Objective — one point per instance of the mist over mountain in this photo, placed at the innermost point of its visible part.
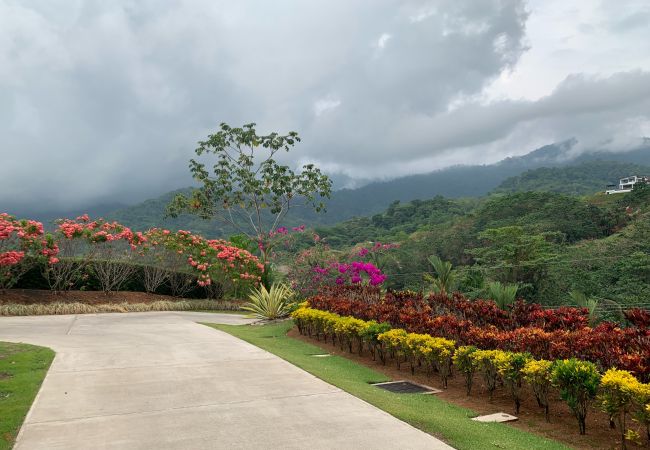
(453, 182)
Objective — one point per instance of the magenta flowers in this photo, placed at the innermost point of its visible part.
(355, 272)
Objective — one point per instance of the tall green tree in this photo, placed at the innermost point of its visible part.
(511, 255)
(245, 187)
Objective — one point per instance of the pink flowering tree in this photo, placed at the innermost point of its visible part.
(114, 252)
(214, 264)
(23, 244)
(245, 188)
(73, 237)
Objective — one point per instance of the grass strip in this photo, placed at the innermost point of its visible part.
(124, 307)
(22, 369)
(426, 412)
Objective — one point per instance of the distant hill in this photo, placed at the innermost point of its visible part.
(453, 182)
(580, 179)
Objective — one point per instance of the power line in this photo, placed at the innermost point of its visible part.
(553, 262)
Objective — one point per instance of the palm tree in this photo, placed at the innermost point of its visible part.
(502, 294)
(445, 275)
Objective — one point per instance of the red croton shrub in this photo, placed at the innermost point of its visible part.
(545, 333)
(638, 317)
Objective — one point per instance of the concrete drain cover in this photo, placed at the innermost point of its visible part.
(406, 387)
(324, 355)
(497, 417)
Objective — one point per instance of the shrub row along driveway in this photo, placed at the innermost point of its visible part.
(160, 380)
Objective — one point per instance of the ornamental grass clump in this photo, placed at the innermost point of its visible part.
(510, 366)
(538, 374)
(578, 383)
(123, 307)
(466, 364)
(271, 304)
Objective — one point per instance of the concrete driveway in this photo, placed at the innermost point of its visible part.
(162, 381)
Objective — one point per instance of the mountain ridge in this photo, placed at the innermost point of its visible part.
(375, 197)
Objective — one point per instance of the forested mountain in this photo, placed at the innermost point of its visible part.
(453, 182)
(547, 243)
(580, 179)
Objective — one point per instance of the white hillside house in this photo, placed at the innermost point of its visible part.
(626, 184)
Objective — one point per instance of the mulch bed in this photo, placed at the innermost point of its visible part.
(36, 296)
(563, 426)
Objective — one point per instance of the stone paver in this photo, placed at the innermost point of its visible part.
(160, 380)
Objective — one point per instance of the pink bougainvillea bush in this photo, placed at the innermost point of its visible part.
(22, 245)
(319, 267)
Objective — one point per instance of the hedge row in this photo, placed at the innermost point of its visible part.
(546, 334)
(617, 392)
(84, 308)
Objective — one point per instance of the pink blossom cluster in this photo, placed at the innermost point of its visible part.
(11, 258)
(357, 269)
(353, 273)
(22, 242)
(25, 237)
(211, 259)
(284, 231)
(98, 231)
(376, 247)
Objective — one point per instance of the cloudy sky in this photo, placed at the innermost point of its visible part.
(104, 101)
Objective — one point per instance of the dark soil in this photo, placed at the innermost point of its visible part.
(563, 426)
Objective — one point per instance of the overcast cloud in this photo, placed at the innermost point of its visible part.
(104, 101)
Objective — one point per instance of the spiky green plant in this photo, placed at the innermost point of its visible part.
(445, 279)
(587, 302)
(502, 294)
(274, 303)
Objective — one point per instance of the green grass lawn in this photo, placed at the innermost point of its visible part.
(431, 414)
(22, 369)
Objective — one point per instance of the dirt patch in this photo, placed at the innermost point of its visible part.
(5, 375)
(563, 426)
(8, 348)
(36, 296)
